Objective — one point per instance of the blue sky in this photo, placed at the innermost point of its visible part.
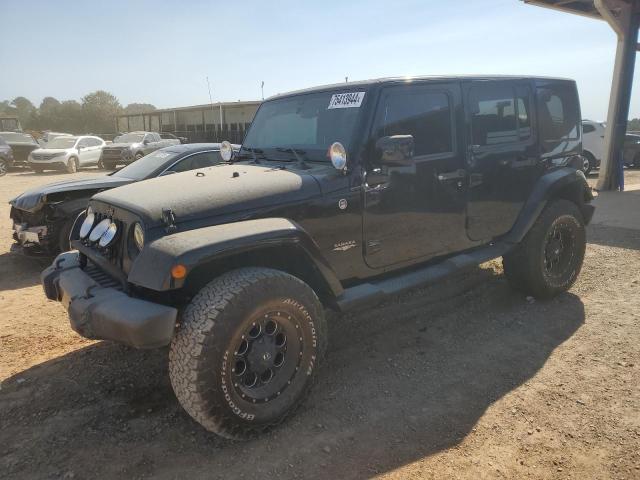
(160, 52)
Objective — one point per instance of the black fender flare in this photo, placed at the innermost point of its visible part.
(152, 267)
(554, 184)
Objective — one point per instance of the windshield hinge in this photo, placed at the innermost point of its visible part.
(169, 220)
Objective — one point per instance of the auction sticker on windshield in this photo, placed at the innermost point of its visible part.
(346, 100)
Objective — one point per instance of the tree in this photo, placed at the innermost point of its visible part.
(99, 109)
(70, 117)
(139, 108)
(25, 110)
(48, 115)
(634, 125)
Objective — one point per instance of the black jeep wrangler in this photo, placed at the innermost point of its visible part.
(339, 197)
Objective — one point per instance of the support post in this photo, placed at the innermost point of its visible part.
(624, 22)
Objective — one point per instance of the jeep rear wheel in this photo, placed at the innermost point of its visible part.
(247, 351)
(549, 259)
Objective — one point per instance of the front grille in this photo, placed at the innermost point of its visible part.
(100, 277)
(42, 156)
(112, 152)
(21, 152)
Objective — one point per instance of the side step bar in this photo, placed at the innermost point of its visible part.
(369, 294)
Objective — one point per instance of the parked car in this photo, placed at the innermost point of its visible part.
(171, 136)
(22, 144)
(6, 157)
(340, 197)
(632, 150)
(67, 153)
(592, 144)
(43, 216)
(130, 147)
(48, 136)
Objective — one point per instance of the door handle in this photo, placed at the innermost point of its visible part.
(455, 175)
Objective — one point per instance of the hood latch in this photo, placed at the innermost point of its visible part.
(169, 220)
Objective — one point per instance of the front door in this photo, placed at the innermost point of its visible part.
(416, 212)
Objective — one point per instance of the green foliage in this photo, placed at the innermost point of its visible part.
(99, 109)
(634, 125)
(139, 108)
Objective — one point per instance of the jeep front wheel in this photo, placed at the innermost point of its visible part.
(247, 351)
(549, 259)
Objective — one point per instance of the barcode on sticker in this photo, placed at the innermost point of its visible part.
(346, 100)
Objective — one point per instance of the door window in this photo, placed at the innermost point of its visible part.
(426, 115)
(558, 113)
(199, 160)
(493, 114)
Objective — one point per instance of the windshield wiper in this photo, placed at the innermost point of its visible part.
(253, 151)
(296, 153)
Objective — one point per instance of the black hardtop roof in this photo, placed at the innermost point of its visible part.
(425, 78)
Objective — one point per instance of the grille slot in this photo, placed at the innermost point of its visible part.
(101, 278)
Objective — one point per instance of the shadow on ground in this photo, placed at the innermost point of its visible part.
(402, 381)
(20, 271)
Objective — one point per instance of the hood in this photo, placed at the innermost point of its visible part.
(33, 200)
(122, 145)
(212, 191)
(49, 151)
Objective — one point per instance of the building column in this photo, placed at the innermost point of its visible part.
(624, 18)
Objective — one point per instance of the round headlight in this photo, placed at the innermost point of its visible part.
(138, 236)
(226, 151)
(338, 156)
(99, 230)
(107, 237)
(86, 226)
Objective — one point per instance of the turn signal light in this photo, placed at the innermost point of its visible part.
(178, 271)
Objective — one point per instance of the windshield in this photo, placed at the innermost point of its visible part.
(141, 169)
(62, 142)
(17, 137)
(129, 138)
(308, 123)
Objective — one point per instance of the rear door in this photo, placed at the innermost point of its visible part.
(502, 155)
(416, 212)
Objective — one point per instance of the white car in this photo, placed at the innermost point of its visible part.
(48, 136)
(67, 152)
(592, 144)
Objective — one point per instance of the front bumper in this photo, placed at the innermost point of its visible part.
(56, 162)
(28, 236)
(106, 313)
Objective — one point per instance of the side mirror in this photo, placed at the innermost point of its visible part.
(396, 150)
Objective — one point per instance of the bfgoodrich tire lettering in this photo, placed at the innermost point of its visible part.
(549, 259)
(209, 353)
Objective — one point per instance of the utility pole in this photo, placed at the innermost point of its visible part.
(346, 79)
(210, 102)
(262, 88)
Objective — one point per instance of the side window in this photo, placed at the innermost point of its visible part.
(84, 143)
(558, 113)
(587, 128)
(426, 115)
(493, 114)
(199, 160)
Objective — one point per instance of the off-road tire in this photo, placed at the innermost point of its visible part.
(526, 266)
(72, 165)
(203, 357)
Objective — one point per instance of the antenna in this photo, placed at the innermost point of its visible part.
(262, 88)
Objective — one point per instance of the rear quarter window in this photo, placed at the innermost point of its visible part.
(558, 113)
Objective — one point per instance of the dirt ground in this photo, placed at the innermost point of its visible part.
(461, 380)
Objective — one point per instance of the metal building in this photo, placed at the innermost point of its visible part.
(199, 123)
(624, 18)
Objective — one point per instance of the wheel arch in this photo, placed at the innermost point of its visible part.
(206, 253)
(565, 183)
